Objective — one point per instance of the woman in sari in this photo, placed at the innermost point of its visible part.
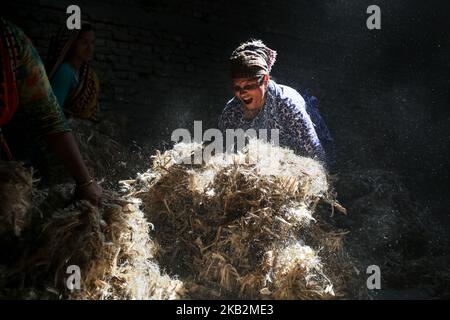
(73, 80)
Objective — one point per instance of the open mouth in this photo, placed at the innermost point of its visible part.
(247, 101)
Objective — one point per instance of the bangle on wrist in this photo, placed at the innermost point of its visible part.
(81, 185)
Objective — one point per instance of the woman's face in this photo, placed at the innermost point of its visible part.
(83, 47)
(251, 91)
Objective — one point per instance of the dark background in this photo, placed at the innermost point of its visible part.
(383, 93)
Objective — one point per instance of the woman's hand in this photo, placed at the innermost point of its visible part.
(91, 192)
(66, 148)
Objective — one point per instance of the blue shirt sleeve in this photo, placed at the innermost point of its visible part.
(63, 82)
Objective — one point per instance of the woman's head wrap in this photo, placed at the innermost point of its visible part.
(60, 45)
(251, 59)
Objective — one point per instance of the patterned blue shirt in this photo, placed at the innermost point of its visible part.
(284, 109)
